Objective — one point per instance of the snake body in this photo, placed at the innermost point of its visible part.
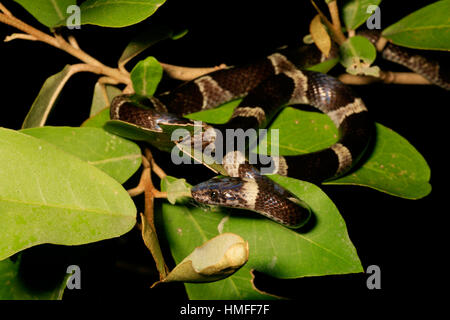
(265, 86)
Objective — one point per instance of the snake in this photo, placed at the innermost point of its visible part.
(265, 86)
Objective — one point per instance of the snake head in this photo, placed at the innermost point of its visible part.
(225, 192)
(259, 195)
(145, 112)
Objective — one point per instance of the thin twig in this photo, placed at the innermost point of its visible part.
(149, 164)
(187, 73)
(13, 22)
(334, 13)
(4, 10)
(60, 43)
(385, 77)
(156, 169)
(122, 69)
(139, 189)
(102, 82)
(128, 89)
(107, 80)
(73, 42)
(149, 198)
(59, 38)
(22, 36)
(381, 43)
(337, 34)
(84, 67)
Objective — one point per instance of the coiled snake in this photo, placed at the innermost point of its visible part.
(265, 87)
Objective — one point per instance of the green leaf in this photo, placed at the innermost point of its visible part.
(146, 76)
(177, 189)
(99, 100)
(299, 132)
(46, 99)
(394, 167)
(325, 66)
(354, 12)
(216, 116)
(97, 121)
(357, 54)
(48, 12)
(118, 157)
(160, 140)
(318, 249)
(117, 14)
(427, 28)
(50, 196)
(12, 286)
(180, 34)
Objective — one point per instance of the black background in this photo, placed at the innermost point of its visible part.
(403, 237)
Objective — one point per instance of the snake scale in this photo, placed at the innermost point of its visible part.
(265, 86)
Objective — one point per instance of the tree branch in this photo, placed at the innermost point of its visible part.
(4, 10)
(187, 73)
(334, 12)
(58, 42)
(385, 77)
(381, 43)
(156, 169)
(149, 164)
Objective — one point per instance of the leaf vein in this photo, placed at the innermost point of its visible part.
(59, 206)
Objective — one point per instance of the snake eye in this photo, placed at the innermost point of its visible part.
(213, 195)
